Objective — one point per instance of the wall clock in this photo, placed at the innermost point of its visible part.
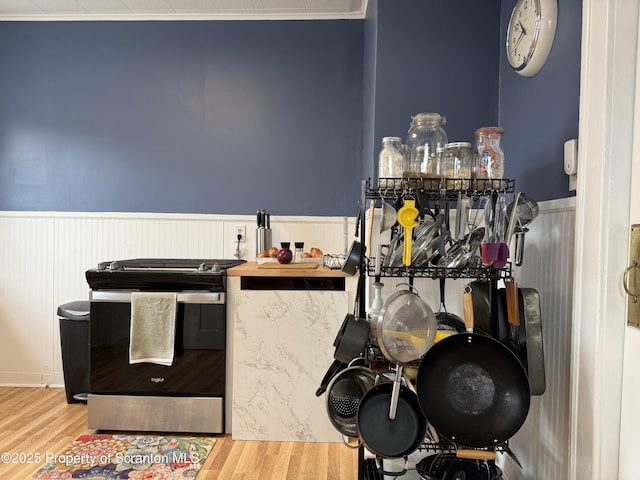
(530, 35)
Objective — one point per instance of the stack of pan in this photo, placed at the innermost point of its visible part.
(472, 388)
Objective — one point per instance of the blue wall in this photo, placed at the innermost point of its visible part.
(540, 113)
(228, 117)
(199, 117)
(434, 56)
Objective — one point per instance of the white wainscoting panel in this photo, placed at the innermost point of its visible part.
(44, 256)
(542, 444)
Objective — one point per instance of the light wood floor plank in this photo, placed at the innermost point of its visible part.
(38, 421)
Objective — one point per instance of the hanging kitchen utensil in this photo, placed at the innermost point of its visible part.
(534, 344)
(385, 437)
(464, 253)
(394, 257)
(526, 209)
(353, 260)
(353, 334)
(482, 306)
(407, 218)
(406, 330)
(343, 397)
(352, 338)
(335, 367)
(406, 326)
(512, 214)
(513, 314)
(372, 208)
(389, 216)
(522, 211)
(472, 388)
(426, 232)
(448, 323)
(519, 245)
(490, 248)
(423, 203)
(463, 207)
(499, 233)
(374, 309)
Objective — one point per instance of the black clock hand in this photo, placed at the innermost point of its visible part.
(522, 34)
(524, 30)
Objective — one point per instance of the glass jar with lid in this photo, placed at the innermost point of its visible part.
(423, 139)
(390, 162)
(489, 157)
(436, 168)
(458, 165)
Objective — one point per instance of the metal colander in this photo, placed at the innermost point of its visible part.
(343, 397)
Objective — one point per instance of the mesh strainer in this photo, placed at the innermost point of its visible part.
(526, 210)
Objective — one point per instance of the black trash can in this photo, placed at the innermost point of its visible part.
(74, 344)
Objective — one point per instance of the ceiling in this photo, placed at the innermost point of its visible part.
(181, 9)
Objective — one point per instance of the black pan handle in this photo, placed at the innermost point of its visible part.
(333, 370)
(399, 473)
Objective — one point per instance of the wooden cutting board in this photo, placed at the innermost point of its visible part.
(295, 266)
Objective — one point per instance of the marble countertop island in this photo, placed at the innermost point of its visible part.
(281, 326)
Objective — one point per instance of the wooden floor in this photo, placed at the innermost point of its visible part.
(37, 421)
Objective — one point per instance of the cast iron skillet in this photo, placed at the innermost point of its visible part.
(472, 388)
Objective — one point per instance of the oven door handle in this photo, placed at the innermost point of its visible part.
(182, 297)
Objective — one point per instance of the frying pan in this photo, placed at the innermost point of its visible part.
(353, 334)
(472, 388)
(527, 343)
(534, 346)
(447, 321)
(351, 339)
(385, 437)
(354, 258)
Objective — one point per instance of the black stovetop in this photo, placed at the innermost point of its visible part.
(161, 274)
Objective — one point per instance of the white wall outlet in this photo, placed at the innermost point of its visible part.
(240, 230)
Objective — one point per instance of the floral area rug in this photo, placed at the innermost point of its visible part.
(132, 457)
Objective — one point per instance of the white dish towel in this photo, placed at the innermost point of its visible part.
(153, 327)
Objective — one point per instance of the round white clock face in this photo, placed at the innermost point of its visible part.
(530, 34)
(522, 34)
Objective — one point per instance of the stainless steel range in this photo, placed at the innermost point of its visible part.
(188, 395)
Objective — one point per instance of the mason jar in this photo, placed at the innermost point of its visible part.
(458, 165)
(424, 138)
(489, 157)
(390, 162)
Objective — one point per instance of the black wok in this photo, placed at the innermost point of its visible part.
(472, 388)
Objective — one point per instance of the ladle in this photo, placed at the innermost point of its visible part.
(407, 217)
